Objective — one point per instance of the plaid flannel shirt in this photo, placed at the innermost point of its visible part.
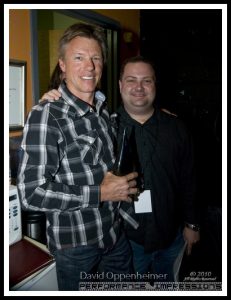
(67, 148)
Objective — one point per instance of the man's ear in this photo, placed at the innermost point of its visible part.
(62, 65)
(120, 85)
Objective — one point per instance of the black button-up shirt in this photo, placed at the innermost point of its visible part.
(166, 155)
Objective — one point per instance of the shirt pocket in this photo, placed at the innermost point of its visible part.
(87, 146)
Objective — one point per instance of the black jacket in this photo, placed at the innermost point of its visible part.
(165, 149)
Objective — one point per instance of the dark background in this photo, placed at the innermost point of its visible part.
(186, 47)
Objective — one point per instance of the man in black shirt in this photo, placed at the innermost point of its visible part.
(166, 157)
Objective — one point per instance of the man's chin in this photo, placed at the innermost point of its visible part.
(139, 103)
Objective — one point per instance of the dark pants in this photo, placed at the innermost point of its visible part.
(159, 264)
(90, 263)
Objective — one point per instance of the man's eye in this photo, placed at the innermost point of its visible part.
(97, 58)
(148, 81)
(78, 58)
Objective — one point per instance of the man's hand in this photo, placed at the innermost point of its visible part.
(191, 237)
(51, 95)
(118, 188)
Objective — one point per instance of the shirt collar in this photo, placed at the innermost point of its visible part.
(80, 106)
(130, 121)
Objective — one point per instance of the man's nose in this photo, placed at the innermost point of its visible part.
(139, 85)
(90, 64)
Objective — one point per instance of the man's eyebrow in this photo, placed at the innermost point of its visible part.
(145, 77)
(78, 52)
(130, 76)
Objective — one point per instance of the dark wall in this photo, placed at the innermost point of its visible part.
(186, 48)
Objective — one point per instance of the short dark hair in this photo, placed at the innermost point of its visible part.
(136, 59)
(83, 30)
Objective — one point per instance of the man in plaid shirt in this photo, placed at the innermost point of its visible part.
(65, 168)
